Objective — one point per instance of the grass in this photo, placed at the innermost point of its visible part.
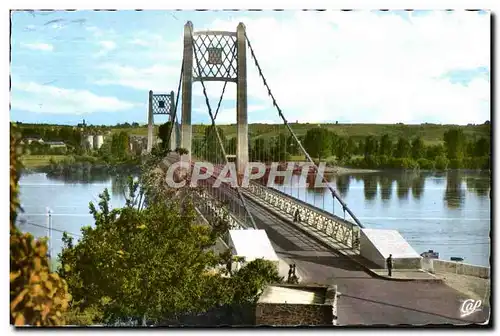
(37, 161)
(430, 133)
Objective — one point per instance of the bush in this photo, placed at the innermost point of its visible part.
(455, 164)
(441, 163)
(425, 164)
(402, 163)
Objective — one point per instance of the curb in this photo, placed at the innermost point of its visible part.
(369, 270)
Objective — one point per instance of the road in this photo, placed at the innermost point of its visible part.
(365, 299)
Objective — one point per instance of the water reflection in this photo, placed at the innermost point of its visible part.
(454, 194)
(418, 186)
(81, 177)
(478, 184)
(403, 186)
(342, 184)
(385, 187)
(370, 186)
(119, 184)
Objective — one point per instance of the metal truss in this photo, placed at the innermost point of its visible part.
(216, 54)
(162, 104)
(332, 226)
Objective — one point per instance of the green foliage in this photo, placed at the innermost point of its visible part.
(455, 163)
(386, 146)
(120, 145)
(152, 262)
(318, 142)
(441, 162)
(434, 151)
(342, 150)
(261, 150)
(426, 164)
(249, 281)
(403, 148)
(417, 148)
(454, 141)
(370, 146)
(37, 296)
(164, 134)
(209, 148)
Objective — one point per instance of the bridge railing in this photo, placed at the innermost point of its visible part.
(212, 209)
(331, 226)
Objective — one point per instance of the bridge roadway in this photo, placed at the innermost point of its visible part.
(365, 299)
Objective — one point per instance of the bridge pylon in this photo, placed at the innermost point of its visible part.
(220, 56)
(162, 104)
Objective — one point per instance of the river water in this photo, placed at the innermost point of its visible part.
(449, 213)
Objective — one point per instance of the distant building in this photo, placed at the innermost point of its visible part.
(29, 140)
(56, 144)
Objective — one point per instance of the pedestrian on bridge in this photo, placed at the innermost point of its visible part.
(389, 265)
(296, 216)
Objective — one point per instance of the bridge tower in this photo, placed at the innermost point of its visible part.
(220, 56)
(163, 104)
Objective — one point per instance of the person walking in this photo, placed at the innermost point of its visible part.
(296, 216)
(290, 273)
(389, 264)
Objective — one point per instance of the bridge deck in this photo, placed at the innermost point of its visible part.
(365, 299)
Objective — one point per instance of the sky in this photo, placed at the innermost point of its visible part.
(351, 67)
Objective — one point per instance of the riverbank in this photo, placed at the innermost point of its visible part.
(76, 166)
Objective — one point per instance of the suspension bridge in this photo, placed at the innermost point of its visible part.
(326, 246)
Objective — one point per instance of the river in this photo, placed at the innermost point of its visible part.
(449, 213)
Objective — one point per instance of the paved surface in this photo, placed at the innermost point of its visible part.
(365, 299)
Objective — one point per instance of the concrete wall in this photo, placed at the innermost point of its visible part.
(265, 313)
(444, 266)
(369, 251)
(407, 263)
(285, 314)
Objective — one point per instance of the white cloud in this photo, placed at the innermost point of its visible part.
(355, 66)
(38, 46)
(228, 115)
(106, 47)
(139, 42)
(364, 67)
(157, 77)
(34, 97)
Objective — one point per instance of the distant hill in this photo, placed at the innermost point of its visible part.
(430, 133)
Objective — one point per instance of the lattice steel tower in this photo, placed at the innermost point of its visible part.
(221, 56)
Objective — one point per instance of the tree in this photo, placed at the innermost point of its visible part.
(454, 140)
(481, 147)
(231, 145)
(164, 134)
(370, 146)
(417, 148)
(385, 147)
(403, 148)
(279, 148)
(434, 151)
(342, 152)
(120, 145)
(37, 296)
(260, 151)
(154, 262)
(318, 142)
(210, 149)
(351, 146)
(292, 145)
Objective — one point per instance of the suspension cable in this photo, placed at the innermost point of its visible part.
(275, 104)
(221, 145)
(174, 119)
